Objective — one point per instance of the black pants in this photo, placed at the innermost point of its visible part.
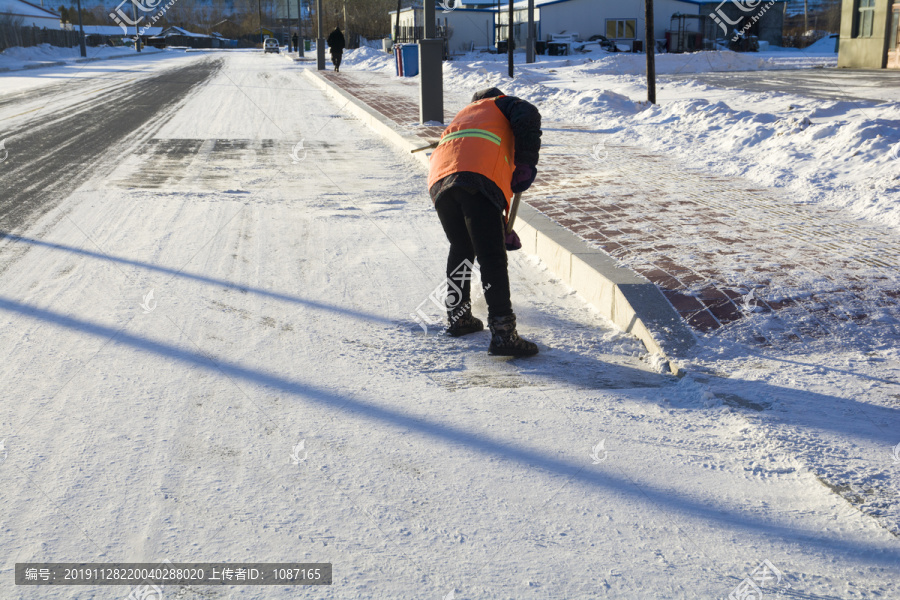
(475, 228)
(336, 58)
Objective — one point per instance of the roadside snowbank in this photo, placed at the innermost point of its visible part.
(18, 57)
(368, 59)
(835, 153)
(599, 62)
(698, 62)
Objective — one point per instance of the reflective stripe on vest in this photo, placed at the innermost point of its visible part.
(478, 140)
(479, 133)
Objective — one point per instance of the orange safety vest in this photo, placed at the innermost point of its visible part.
(479, 140)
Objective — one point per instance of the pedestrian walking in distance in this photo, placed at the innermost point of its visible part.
(336, 43)
(488, 153)
(296, 42)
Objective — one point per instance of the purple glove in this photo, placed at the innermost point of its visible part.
(512, 241)
(523, 177)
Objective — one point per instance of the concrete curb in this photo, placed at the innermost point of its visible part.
(292, 56)
(629, 300)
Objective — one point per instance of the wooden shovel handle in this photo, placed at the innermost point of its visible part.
(513, 209)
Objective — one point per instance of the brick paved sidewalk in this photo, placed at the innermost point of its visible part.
(731, 257)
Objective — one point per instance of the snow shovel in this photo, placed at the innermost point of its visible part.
(513, 209)
(512, 240)
(428, 147)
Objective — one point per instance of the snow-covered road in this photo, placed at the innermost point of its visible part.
(74, 129)
(273, 400)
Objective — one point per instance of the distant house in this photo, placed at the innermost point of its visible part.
(115, 30)
(621, 21)
(30, 15)
(177, 36)
(180, 37)
(223, 41)
(869, 34)
(98, 35)
(468, 28)
(463, 27)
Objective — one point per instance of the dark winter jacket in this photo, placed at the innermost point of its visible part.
(336, 41)
(525, 121)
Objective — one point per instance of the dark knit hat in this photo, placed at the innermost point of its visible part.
(488, 93)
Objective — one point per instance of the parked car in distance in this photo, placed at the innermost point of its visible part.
(271, 45)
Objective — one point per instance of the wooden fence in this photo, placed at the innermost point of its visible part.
(13, 35)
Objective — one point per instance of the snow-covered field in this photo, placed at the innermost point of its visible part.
(143, 428)
(840, 153)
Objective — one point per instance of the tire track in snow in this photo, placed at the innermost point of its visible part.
(51, 157)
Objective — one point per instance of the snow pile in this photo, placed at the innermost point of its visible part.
(594, 61)
(368, 59)
(696, 62)
(41, 52)
(374, 43)
(479, 76)
(837, 153)
(824, 46)
(691, 392)
(18, 57)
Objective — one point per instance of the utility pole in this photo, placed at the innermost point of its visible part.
(397, 25)
(805, 16)
(509, 38)
(320, 41)
(299, 29)
(259, 18)
(137, 36)
(650, 49)
(431, 69)
(529, 50)
(81, 32)
(346, 29)
(497, 28)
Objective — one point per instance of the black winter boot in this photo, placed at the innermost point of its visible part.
(462, 322)
(505, 341)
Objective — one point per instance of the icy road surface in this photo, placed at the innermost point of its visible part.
(207, 354)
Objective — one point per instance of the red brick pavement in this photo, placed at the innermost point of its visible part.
(719, 248)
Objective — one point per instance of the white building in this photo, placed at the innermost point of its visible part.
(468, 28)
(31, 15)
(619, 20)
(464, 27)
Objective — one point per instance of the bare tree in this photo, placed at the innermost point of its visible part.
(368, 18)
